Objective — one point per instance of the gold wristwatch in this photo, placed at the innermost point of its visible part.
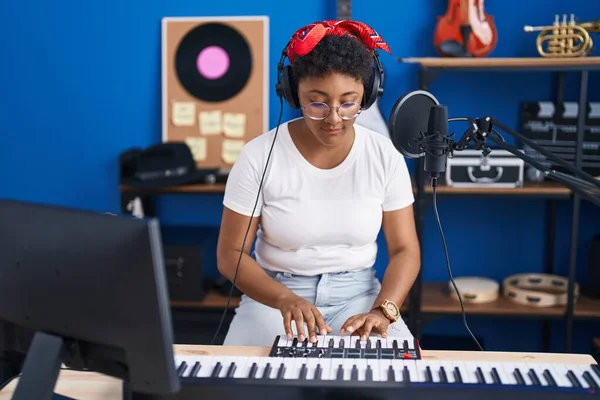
(390, 310)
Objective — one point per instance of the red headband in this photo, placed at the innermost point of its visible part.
(305, 39)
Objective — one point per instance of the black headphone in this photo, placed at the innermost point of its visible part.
(287, 85)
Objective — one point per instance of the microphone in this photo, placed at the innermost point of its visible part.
(418, 127)
(435, 142)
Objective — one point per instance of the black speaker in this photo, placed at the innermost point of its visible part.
(591, 287)
(185, 279)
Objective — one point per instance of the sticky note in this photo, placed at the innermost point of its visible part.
(210, 122)
(197, 147)
(183, 113)
(231, 149)
(234, 125)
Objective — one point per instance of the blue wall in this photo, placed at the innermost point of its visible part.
(80, 82)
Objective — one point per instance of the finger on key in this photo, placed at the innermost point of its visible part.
(287, 324)
(367, 328)
(310, 323)
(320, 321)
(299, 323)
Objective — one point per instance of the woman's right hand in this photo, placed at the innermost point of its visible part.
(301, 311)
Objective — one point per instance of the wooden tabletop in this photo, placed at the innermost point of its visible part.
(92, 386)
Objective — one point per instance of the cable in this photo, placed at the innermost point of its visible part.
(437, 217)
(249, 224)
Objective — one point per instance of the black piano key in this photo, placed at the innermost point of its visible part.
(479, 375)
(318, 372)
(534, 378)
(231, 370)
(340, 373)
(369, 374)
(267, 371)
(549, 378)
(281, 371)
(303, 371)
(443, 376)
(395, 346)
(591, 381)
(428, 375)
(519, 377)
(195, 369)
(457, 375)
(406, 375)
(253, 369)
(406, 349)
(354, 373)
(295, 342)
(216, 370)
(596, 369)
(378, 346)
(574, 381)
(368, 344)
(341, 344)
(331, 343)
(496, 376)
(357, 345)
(181, 369)
(391, 374)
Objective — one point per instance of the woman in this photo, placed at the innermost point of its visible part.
(329, 188)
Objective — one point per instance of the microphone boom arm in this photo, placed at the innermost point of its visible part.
(482, 129)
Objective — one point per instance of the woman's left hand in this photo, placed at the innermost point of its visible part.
(365, 323)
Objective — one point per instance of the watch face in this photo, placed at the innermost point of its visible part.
(391, 308)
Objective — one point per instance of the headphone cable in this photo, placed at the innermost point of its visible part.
(249, 224)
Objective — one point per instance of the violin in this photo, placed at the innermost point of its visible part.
(466, 30)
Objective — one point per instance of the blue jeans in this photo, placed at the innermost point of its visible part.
(338, 296)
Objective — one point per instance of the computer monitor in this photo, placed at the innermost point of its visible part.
(92, 288)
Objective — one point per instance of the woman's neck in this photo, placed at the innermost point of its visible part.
(316, 153)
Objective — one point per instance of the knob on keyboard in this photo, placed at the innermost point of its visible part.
(333, 346)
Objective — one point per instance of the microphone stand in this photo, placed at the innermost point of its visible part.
(581, 183)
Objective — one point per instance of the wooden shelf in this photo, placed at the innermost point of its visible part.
(497, 62)
(544, 188)
(528, 189)
(213, 299)
(197, 188)
(436, 300)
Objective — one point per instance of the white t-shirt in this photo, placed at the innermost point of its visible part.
(313, 220)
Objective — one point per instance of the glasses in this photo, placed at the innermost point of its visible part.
(320, 111)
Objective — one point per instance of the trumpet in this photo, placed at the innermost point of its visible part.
(566, 38)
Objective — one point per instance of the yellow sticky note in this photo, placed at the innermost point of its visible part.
(231, 149)
(210, 122)
(234, 124)
(197, 147)
(183, 113)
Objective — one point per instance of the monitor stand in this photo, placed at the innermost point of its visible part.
(40, 369)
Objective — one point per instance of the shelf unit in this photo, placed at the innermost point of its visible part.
(426, 299)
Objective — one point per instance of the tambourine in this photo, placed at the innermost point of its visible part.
(538, 290)
(475, 289)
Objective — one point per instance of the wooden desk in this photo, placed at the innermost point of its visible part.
(92, 386)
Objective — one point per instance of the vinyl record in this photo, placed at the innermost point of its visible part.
(213, 62)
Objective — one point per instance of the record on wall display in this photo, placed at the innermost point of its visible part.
(215, 84)
(213, 62)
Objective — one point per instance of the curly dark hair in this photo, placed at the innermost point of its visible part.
(342, 54)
